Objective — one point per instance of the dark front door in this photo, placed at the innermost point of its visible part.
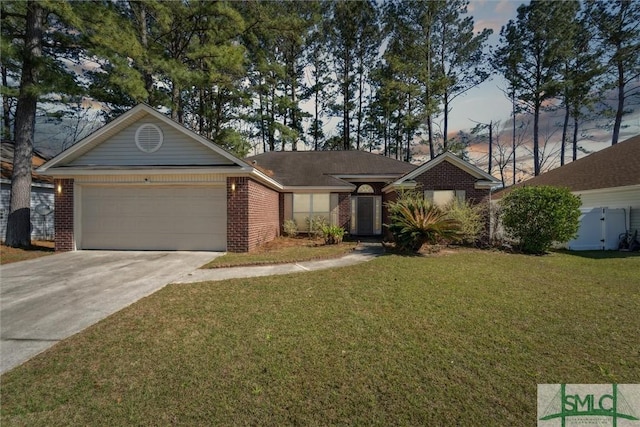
(365, 216)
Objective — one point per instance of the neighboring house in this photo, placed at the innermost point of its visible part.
(608, 183)
(41, 195)
(144, 182)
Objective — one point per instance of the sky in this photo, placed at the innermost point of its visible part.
(485, 102)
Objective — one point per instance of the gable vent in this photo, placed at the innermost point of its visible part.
(149, 138)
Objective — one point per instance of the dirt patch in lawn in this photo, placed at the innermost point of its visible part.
(39, 248)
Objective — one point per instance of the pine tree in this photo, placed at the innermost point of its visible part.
(353, 40)
(461, 58)
(579, 72)
(40, 35)
(618, 28)
(530, 57)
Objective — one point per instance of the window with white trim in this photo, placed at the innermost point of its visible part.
(310, 205)
(442, 198)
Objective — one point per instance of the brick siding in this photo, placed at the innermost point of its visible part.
(253, 214)
(446, 176)
(63, 215)
(344, 211)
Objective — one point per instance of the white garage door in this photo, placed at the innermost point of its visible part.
(154, 218)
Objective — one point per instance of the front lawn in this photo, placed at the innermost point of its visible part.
(37, 250)
(283, 250)
(456, 339)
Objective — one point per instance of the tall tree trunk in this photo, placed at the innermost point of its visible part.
(490, 146)
(408, 152)
(536, 146)
(575, 138)
(272, 121)
(201, 110)
(445, 138)
(360, 83)
(294, 106)
(513, 141)
(175, 102)
(19, 221)
(346, 138)
(6, 108)
(432, 151)
(620, 110)
(146, 72)
(565, 126)
(316, 129)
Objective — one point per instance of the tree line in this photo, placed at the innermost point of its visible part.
(270, 75)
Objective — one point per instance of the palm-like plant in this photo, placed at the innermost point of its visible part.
(416, 221)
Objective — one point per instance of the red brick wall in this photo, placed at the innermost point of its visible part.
(391, 196)
(253, 214)
(344, 211)
(63, 215)
(264, 214)
(446, 176)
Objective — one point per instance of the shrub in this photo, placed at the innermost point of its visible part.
(415, 221)
(314, 225)
(332, 234)
(290, 228)
(472, 220)
(538, 217)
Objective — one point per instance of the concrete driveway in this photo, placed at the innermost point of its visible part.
(45, 300)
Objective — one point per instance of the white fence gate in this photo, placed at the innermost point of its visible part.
(599, 229)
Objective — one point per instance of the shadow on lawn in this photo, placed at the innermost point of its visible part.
(600, 254)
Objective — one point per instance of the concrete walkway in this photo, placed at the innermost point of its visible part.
(362, 253)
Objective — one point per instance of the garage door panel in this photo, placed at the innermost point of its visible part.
(153, 218)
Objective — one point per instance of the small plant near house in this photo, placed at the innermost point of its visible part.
(290, 228)
(538, 217)
(333, 234)
(471, 218)
(415, 221)
(315, 225)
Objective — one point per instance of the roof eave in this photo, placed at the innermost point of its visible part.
(483, 185)
(318, 188)
(365, 178)
(61, 172)
(399, 185)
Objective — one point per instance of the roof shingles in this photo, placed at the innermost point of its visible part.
(615, 166)
(318, 168)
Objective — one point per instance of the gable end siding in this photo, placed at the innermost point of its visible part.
(177, 149)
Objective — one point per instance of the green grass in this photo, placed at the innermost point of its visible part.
(299, 253)
(459, 339)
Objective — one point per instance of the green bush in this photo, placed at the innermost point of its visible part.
(538, 217)
(333, 234)
(472, 220)
(314, 225)
(290, 228)
(415, 221)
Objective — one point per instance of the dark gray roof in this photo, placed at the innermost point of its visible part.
(319, 168)
(614, 166)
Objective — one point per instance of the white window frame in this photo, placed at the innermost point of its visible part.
(460, 195)
(312, 212)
